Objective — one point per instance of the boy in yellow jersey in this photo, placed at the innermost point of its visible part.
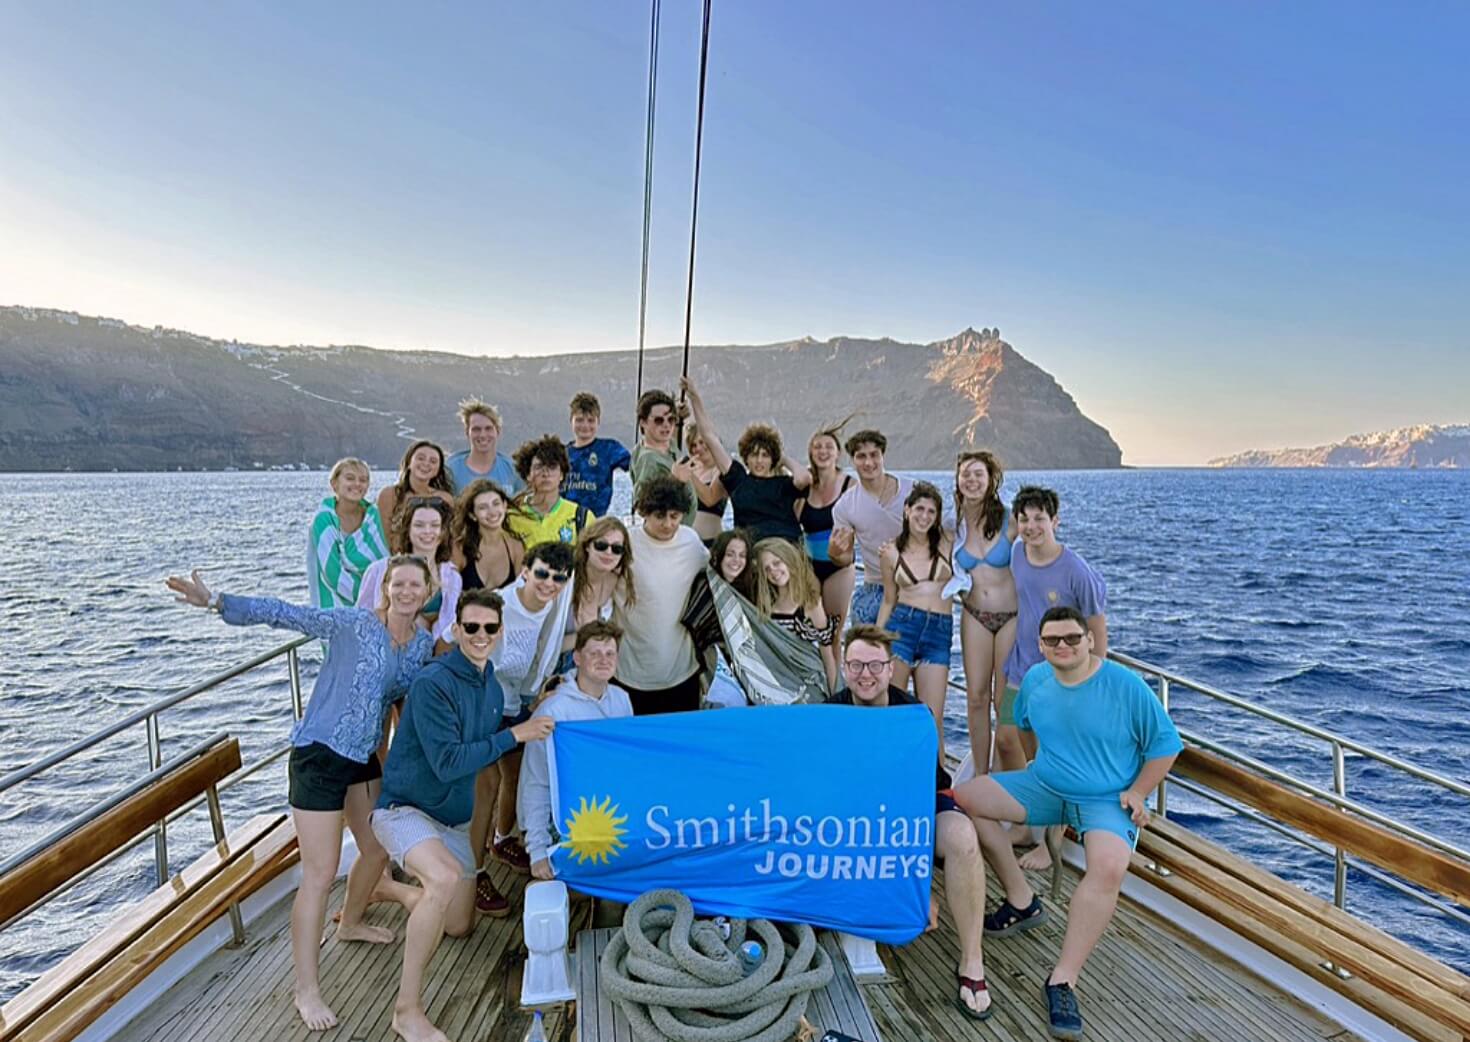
(541, 514)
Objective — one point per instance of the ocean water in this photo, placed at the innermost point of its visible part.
(1340, 598)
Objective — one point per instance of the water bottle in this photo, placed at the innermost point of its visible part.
(751, 954)
(537, 1032)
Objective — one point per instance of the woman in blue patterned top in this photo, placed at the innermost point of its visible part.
(372, 656)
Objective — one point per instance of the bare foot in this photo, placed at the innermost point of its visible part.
(315, 1014)
(1036, 859)
(364, 932)
(413, 1026)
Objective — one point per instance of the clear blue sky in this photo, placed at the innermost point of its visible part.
(1221, 226)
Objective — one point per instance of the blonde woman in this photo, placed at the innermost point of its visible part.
(334, 774)
(787, 593)
(602, 564)
(346, 537)
(704, 475)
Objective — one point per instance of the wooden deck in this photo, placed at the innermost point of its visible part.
(1146, 981)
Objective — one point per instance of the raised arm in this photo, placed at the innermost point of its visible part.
(248, 611)
(706, 425)
(801, 476)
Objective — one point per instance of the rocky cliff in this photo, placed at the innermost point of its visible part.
(97, 394)
(1425, 445)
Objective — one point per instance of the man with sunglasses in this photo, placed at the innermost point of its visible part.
(451, 729)
(1104, 742)
(867, 664)
(524, 658)
(586, 694)
(654, 456)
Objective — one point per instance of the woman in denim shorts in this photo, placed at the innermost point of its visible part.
(915, 568)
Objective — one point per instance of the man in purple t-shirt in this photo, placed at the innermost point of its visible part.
(1048, 575)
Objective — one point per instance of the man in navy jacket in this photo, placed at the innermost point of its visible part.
(450, 730)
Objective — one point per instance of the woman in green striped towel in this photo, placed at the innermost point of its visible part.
(346, 537)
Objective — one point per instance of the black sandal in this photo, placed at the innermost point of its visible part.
(1008, 919)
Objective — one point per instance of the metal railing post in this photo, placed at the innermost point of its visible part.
(293, 666)
(217, 824)
(1339, 786)
(1161, 798)
(160, 830)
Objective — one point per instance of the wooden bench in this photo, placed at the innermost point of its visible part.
(1417, 994)
(837, 1007)
(71, 995)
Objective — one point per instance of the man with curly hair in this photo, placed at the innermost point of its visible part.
(541, 514)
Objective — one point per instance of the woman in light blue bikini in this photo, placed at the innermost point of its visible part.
(984, 532)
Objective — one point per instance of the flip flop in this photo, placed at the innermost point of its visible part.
(975, 987)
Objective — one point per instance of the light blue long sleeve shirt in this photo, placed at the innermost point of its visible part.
(362, 675)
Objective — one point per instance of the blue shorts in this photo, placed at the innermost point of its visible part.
(924, 637)
(866, 600)
(1045, 806)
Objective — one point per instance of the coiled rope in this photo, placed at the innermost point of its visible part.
(677, 978)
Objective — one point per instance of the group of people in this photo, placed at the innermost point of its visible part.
(482, 598)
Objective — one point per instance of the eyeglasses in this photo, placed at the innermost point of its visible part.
(857, 667)
(491, 628)
(602, 546)
(545, 573)
(1070, 639)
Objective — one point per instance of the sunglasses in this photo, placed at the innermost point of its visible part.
(602, 546)
(1071, 640)
(545, 573)
(661, 420)
(491, 628)
(858, 668)
(419, 502)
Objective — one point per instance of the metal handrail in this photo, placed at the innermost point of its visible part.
(148, 716)
(141, 715)
(1348, 744)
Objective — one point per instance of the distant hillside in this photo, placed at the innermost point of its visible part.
(1422, 446)
(96, 394)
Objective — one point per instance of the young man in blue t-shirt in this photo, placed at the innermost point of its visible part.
(590, 479)
(1104, 742)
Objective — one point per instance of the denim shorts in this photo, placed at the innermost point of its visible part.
(866, 600)
(1045, 806)
(924, 637)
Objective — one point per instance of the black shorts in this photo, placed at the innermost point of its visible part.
(683, 697)
(320, 777)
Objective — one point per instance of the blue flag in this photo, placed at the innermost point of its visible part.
(817, 814)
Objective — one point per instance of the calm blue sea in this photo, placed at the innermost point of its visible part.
(1340, 598)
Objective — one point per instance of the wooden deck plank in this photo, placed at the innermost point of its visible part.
(474, 986)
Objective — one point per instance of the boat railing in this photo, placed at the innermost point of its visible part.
(1338, 747)
(147, 718)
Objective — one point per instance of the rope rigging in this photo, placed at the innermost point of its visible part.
(647, 194)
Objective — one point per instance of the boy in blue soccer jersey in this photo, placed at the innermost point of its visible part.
(1104, 742)
(590, 480)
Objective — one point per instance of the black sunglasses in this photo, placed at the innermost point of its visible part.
(602, 546)
(544, 573)
(491, 628)
(1070, 639)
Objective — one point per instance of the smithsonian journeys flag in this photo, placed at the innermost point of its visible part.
(817, 814)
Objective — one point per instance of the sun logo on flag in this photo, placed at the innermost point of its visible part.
(594, 831)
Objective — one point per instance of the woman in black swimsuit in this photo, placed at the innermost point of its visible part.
(814, 514)
(485, 553)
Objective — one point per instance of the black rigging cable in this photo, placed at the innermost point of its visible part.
(694, 212)
(647, 196)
